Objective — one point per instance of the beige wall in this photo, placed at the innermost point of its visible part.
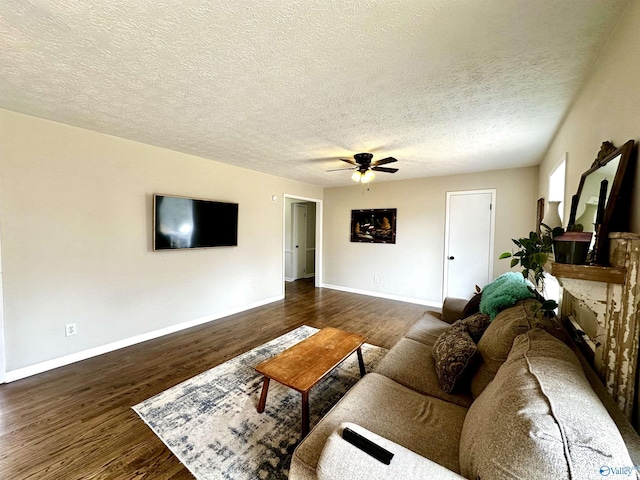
(76, 219)
(413, 267)
(607, 108)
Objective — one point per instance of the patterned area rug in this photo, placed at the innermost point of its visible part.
(211, 424)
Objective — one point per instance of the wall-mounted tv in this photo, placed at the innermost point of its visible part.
(181, 222)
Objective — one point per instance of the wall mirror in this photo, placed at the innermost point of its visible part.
(597, 206)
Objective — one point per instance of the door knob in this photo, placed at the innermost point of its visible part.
(451, 257)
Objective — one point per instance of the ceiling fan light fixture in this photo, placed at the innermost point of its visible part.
(364, 167)
(368, 176)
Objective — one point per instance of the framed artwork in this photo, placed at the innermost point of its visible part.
(373, 226)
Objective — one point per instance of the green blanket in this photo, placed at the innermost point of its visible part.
(504, 292)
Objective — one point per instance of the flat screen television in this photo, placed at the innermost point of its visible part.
(181, 222)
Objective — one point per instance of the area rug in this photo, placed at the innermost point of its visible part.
(211, 424)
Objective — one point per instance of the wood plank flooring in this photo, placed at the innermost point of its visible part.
(76, 422)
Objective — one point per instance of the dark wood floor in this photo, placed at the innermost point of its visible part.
(76, 422)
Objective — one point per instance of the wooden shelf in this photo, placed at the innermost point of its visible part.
(589, 272)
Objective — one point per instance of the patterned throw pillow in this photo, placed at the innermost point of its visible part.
(476, 325)
(452, 352)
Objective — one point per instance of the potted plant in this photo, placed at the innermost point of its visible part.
(572, 246)
(532, 253)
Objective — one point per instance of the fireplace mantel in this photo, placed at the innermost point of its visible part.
(589, 272)
(590, 284)
(612, 295)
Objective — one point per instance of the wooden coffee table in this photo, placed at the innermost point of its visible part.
(306, 363)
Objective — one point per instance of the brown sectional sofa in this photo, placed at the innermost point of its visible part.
(531, 409)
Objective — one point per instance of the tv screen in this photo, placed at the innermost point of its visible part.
(191, 223)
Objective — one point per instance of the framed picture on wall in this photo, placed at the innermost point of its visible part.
(373, 226)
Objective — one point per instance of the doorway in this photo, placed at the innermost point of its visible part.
(301, 266)
(302, 239)
(469, 241)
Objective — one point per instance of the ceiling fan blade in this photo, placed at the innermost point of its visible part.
(384, 161)
(352, 162)
(384, 169)
(338, 169)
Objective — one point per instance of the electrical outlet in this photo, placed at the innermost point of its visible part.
(376, 279)
(70, 329)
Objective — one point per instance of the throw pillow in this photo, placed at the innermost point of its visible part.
(451, 354)
(495, 344)
(472, 306)
(476, 325)
(504, 292)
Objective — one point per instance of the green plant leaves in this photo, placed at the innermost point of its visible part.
(532, 253)
(539, 258)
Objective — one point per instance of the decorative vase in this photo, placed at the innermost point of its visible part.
(588, 217)
(552, 217)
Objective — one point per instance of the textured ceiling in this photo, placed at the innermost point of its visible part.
(289, 86)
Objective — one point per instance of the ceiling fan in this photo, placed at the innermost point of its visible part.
(364, 167)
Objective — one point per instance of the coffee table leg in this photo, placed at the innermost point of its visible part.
(263, 395)
(363, 372)
(305, 413)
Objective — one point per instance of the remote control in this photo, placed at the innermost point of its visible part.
(367, 446)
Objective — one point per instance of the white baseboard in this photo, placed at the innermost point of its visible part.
(388, 296)
(41, 367)
(289, 279)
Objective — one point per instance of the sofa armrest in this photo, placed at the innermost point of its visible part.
(452, 309)
(340, 460)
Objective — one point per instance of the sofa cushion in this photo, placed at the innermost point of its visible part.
(411, 364)
(452, 352)
(341, 460)
(393, 411)
(539, 418)
(427, 329)
(495, 344)
(504, 292)
(452, 309)
(628, 433)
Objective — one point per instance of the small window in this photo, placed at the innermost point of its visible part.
(556, 186)
(556, 194)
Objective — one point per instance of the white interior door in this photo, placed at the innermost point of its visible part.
(299, 239)
(469, 237)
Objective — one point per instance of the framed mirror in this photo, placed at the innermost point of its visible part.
(597, 206)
